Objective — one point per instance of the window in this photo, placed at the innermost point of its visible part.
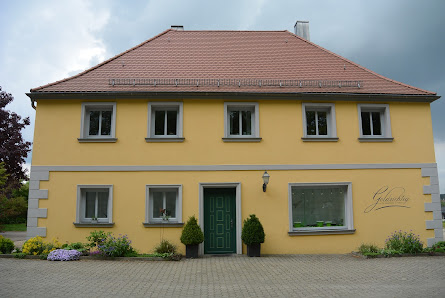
(241, 122)
(164, 204)
(94, 202)
(320, 207)
(165, 122)
(319, 122)
(375, 124)
(98, 122)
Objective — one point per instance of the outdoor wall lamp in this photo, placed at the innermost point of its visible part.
(265, 180)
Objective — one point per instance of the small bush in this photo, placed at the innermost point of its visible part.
(368, 249)
(192, 233)
(79, 246)
(106, 245)
(253, 232)
(165, 247)
(36, 246)
(97, 238)
(6, 245)
(438, 247)
(404, 242)
(19, 255)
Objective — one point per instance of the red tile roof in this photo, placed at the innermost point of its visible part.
(230, 61)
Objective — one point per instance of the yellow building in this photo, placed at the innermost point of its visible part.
(188, 122)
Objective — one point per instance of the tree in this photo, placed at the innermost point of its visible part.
(13, 148)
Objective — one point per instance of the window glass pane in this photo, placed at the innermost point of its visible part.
(234, 122)
(94, 123)
(159, 122)
(318, 207)
(102, 206)
(171, 122)
(310, 119)
(158, 204)
(246, 122)
(105, 129)
(322, 123)
(366, 126)
(170, 204)
(90, 204)
(376, 124)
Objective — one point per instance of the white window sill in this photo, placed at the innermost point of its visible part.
(164, 139)
(246, 139)
(93, 225)
(163, 224)
(319, 139)
(97, 140)
(375, 139)
(320, 232)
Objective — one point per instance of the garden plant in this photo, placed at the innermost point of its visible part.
(253, 235)
(191, 237)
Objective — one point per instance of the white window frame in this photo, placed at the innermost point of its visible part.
(85, 119)
(81, 200)
(349, 220)
(149, 189)
(329, 108)
(255, 119)
(152, 107)
(385, 122)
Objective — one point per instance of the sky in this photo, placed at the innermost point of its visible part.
(48, 40)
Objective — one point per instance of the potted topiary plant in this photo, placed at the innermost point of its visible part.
(192, 236)
(253, 235)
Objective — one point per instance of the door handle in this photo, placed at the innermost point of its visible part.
(231, 223)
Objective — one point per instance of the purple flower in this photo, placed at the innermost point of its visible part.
(64, 255)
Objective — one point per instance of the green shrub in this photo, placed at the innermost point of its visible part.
(6, 245)
(13, 210)
(390, 252)
(253, 232)
(192, 233)
(105, 244)
(19, 255)
(165, 247)
(96, 238)
(368, 249)
(79, 246)
(438, 247)
(404, 242)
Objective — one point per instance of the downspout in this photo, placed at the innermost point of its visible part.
(33, 104)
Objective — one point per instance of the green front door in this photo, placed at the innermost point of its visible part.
(219, 220)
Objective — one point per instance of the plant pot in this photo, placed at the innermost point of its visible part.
(94, 221)
(319, 223)
(191, 251)
(329, 223)
(253, 250)
(297, 224)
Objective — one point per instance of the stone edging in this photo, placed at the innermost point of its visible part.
(422, 254)
(90, 258)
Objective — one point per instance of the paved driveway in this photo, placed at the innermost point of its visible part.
(238, 276)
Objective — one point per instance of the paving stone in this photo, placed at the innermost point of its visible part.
(237, 276)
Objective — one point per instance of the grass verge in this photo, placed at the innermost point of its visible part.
(13, 227)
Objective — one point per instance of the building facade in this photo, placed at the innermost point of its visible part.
(188, 122)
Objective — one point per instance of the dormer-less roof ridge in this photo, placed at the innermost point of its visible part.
(100, 64)
(361, 67)
(228, 54)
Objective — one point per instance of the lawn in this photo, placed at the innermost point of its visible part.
(13, 227)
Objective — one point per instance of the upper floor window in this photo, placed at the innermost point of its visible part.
(98, 122)
(319, 122)
(241, 122)
(165, 121)
(375, 123)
